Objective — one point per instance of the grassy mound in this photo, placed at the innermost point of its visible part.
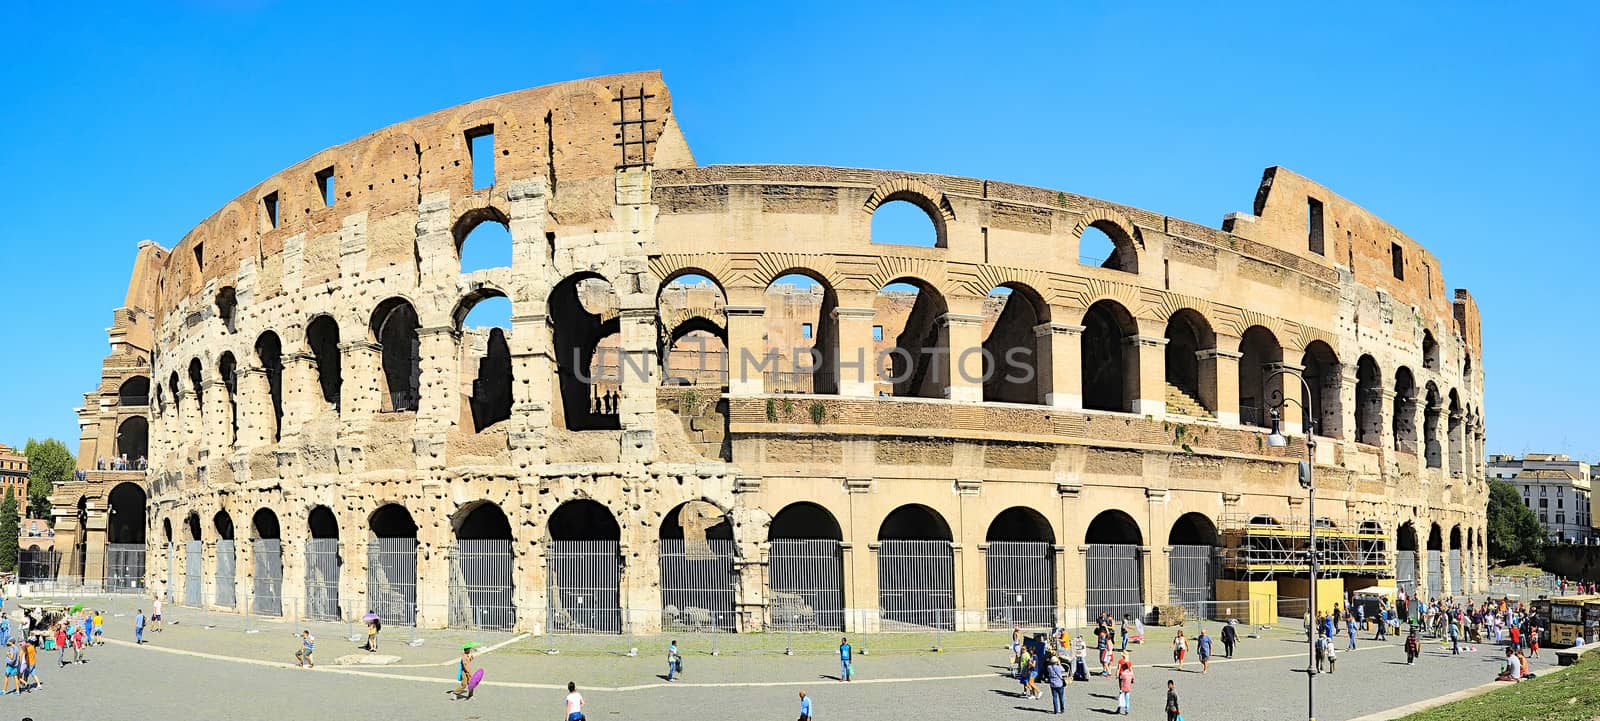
(1572, 695)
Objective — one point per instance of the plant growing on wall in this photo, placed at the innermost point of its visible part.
(772, 411)
(691, 403)
(819, 412)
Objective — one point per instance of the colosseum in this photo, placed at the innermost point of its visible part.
(716, 400)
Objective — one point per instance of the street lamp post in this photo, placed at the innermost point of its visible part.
(1277, 440)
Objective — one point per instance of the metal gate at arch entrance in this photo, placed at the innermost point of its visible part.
(1113, 580)
(125, 567)
(916, 584)
(806, 577)
(582, 579)
(193, 560)
(1021, 579)
(1405, 572)
(1192, 578)
(1435, 573)
(1455, 572)
(697, 584)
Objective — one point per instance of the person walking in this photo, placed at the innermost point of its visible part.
(138, 628)
(1057, 676)
(1455, 637)
(1125, 690)
(1322, 651)
(1413, 647)
(155, 615)
(574, 702)
(30, 665)
(1350, 630)
(1126, 620)
(1383, 626)
(1333, 657)
(463, 675)
(805, 706)
(79, 639)
(1180, 648)
(13, 684)
(673, 661)
(61, 643)
(846, 654)
(308, 645)
(1533, 642)
(1230, 636)
(1202, 646)
(1173, 712)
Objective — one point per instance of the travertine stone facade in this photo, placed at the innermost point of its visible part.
(307, 350)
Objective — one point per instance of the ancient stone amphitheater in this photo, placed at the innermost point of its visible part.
(717, 400)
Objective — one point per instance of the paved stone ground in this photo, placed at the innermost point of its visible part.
(222, 672)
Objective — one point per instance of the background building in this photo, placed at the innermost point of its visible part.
(1556, 487)
(14, 475)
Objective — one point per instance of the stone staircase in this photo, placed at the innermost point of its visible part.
(1181, 403)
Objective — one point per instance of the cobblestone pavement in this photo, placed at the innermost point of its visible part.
(192, 672)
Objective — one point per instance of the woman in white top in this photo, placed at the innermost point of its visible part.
(574, 703)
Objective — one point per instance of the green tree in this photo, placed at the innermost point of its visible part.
(1515, 534)
(9, 527)
(49, 463)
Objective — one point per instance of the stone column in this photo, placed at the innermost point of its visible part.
(1059, 364)
(439, 386)
(962, 369)
(190, 422)
(748, 359)
(534, 390)
(1148, 388)
(1385, 400)
(301, 392)
(219, 423)
(861, 567)
(255, 409)
(1348, 403)
(360, 365)
(94, 557)
(856, 358)
(1291, 410)
(1219, 380)
(637, 408)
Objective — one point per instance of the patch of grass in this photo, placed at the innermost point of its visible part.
(1518, 571)
(1572, 695)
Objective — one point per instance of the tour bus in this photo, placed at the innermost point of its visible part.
(1568, 617)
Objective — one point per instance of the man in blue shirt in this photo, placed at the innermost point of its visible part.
(138, 627)
(805, 707)
(845, 652)
(1203, 646)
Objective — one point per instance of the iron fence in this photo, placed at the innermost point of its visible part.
(1113, 580)
(392, 578)
(322, 578)
(916, 584)
(1405, 572)
(266, 560)
(480, 588)
(582, 579)
(1021, 583)
(225, 592)
(193, 560)
(697, 584)
(125, 567)
(1435, 573)
(1191, 576)
(1456, 588)
(38, 565)
(806, 580)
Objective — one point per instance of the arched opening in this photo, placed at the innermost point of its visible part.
(1104, 244)
(1321, 371)
(483, 240)
(907, 220)
(1369, 402)
(693, 342)
(481, 570)
(392, 564)
(1454, 562)
(227, 304)
(916, 570)
(1405, 559)
(172, 391)
(805, 570)
(1435, 573)
(1113, 575)
(394, 329)
(1433, 450)
(912, 312)
(133, 440)
(1430, 351)
(322, 564)
(227, 368)
(485, 327)
(1011, 350)
(1020, 569)
(698, 581)
(1467, 556)
(1110, 369)
(198, 387)
(193, 560)
(590, 364)
(322, 336)
(266, 556)
(172, 561)
(125, 524)
(1187, 335)
(134, 391)
(1403, 422)
(224, 591)
(1191, 563)
(269, 353)
(1259, 353)
(1456, 430)
(802, 335)
(583, 569)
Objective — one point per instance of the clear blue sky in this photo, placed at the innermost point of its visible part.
(1470, 126)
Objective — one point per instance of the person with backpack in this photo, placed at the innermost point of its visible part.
(674, 661)
(846, 668)
(1230, 636)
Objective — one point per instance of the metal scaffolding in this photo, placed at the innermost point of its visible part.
(1259, 548)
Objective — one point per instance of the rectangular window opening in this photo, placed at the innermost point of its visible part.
(325, 186)
(200, 256)
(877, 332)
(1397, 258)
(480, 154)
(269, 206)
(1314, 225)
(805, 330)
